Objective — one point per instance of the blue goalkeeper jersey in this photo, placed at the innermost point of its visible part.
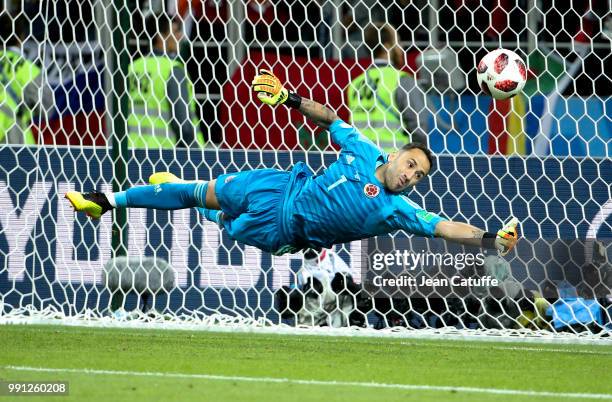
(346, 201)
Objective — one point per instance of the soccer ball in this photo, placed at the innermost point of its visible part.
(502, 74)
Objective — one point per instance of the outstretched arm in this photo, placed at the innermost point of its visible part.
(414, 219)
(272, 92)
(464, 233)
(320, 114)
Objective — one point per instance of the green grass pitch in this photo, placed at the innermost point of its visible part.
(157, 365)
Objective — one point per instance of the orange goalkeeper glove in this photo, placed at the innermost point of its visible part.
(507, 237)
(269, 89)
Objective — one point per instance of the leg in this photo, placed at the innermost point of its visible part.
(211, 212)
(213, 215)
(163, 194)
(167, 177)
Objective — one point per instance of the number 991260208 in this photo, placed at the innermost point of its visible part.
(33, 388)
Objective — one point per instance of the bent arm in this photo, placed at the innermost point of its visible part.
(271, 91)
(320, 114)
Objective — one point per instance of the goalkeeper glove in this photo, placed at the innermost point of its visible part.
(269, 88)
(271, 92)
(507, 237)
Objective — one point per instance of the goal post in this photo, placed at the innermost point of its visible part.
(543, 157)
(119, 102)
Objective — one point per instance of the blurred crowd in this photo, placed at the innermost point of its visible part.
(326, 30)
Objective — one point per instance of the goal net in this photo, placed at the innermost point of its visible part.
(97, 95)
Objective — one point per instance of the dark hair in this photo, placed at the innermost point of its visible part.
(422, 147)
(377, 35)
(158, 25)
(11, 29)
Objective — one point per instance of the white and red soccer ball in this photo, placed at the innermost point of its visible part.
(502, 74)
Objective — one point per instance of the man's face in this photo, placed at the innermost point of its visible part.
(174, 37)
(406, 169)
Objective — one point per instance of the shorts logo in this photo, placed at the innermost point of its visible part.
(371, 190)
(229, 178)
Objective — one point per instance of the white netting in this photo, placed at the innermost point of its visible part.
(74, 100)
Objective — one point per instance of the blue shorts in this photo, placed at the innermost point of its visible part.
(252, 205)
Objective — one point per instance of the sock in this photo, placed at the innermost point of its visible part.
(212, 215)
(111, 199)
(163, 196)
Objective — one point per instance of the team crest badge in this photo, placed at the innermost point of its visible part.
(371, 190)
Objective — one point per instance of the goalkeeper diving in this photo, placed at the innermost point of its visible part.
(361, 195)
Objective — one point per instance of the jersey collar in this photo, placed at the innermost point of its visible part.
(161, 53)
(15, 49)
(382, 159)
(382, 62)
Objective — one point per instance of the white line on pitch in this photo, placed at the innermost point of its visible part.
(414, 387)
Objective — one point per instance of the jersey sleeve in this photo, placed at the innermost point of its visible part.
(414, 219)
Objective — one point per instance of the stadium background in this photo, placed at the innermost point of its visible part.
(78, 75)
(52, 262)
(550, 166)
